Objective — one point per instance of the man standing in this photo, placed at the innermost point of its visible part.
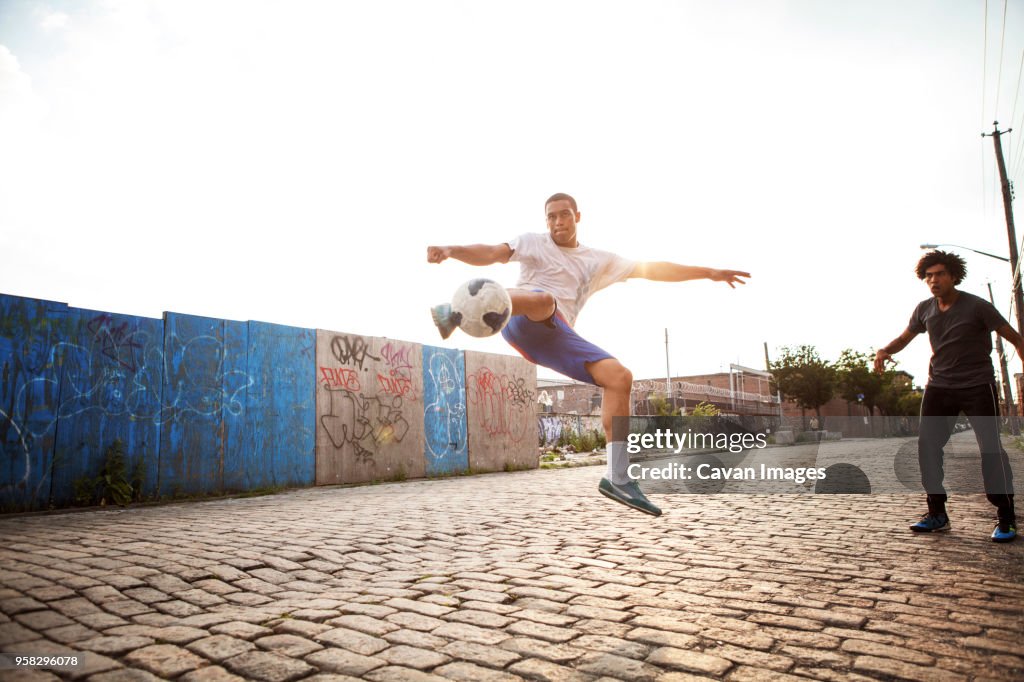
(960, 379)
(557, 275)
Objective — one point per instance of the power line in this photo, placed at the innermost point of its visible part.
(1002, 42)
(984, 75)
(984, 63)
(1015, 157)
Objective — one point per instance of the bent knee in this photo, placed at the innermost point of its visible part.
(544, 298)
(616, 377)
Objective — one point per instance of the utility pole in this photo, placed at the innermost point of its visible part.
(1007, 394)
(1011, 232)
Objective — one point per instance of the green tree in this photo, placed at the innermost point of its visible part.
(856, 379)
(898, 397)
(660, 406)
(910, 403)
(803, 377)
(706, 409)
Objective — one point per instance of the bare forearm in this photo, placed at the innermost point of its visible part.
(884, 355)
(671, 272)
(473, 254)
(1011, 335)
(897, 344)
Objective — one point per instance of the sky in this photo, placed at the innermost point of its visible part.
(291, 162)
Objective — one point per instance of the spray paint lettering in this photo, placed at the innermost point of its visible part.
(118, 342)
(360, 425)
(340, 377)
(501, 408)
(350, 350)
(399, 378)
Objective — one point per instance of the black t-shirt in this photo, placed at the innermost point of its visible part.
(961, 339)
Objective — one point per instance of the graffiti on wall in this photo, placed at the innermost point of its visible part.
(358, 425)
(202, 387)
(551, 427)
(98, 371)
(397, 376)
(445, 420)
(372, 398)
(502, 403)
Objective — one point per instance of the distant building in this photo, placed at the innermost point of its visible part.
(741, 390)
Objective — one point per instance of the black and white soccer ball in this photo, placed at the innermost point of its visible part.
(481, 307)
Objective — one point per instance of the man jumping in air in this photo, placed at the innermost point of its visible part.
(960, 379)
(557, 275)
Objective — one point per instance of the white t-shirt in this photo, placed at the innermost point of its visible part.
(571, 275)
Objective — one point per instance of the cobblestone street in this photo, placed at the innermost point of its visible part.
(528, 575)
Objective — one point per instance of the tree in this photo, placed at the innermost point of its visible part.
(910, 403)
(857, 380)
(898, 397)
(803, 377)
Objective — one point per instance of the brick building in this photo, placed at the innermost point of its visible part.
(741, 390)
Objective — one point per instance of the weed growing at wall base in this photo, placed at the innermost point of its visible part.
(113, 484)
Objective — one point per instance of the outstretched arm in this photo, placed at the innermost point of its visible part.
(1011, 335)
(674, 272)
(894, 346)
(475, 254)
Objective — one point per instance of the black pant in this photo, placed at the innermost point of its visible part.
(939, 411)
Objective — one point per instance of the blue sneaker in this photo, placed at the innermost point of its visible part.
(931, 523)
(445, 320)
(1005, 531)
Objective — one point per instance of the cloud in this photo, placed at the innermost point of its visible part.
(15, 84)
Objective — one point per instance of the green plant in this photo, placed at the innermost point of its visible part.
(705, 409)
(512, 466)
(661, 408)
(137, 481)
(113, 481)
(113, 484)
(84, 490)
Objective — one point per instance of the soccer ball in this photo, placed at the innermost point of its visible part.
(481, 307)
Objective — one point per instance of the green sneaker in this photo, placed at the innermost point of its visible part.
(628, 494)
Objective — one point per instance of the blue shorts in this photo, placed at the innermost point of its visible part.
(559, 348)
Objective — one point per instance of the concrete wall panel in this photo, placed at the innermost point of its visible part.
(369, 409)
(501, 409)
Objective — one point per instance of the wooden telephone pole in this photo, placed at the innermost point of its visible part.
(1011, 232)
(1007, 394)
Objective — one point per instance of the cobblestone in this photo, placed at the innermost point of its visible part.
(526, 575)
